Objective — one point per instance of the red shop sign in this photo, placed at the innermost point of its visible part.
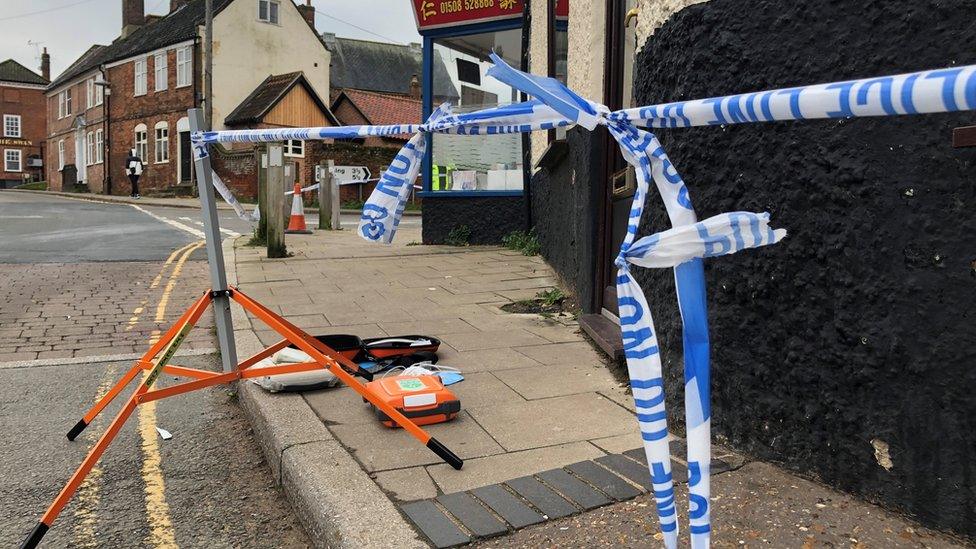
(562, 9)
(432, 14)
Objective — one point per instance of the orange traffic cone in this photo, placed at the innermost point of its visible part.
(296, 223)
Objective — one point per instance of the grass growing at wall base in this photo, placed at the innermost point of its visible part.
(525, 242)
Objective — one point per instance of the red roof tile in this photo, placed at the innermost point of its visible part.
(381, 108)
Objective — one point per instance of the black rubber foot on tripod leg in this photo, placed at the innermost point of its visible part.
(77, 429)
(35, 536)
(445, 453)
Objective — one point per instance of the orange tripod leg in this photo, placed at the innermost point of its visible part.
(131, 374)
(301, 340)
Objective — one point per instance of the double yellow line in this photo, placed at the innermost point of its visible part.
(161, 532)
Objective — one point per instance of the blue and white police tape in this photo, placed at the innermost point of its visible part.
(683, 247)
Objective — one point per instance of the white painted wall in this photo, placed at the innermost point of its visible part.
(246, 51)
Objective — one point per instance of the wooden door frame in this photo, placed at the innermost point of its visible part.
(612, 95)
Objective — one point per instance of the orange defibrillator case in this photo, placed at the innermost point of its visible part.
(424, 399)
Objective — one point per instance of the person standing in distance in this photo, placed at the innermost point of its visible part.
(133, 168)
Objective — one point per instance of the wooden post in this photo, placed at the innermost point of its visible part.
(261, 152)
(275, 199)
(329, 199)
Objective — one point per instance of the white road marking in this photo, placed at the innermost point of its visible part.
(182, 226)
(23, 216)
(227, 232)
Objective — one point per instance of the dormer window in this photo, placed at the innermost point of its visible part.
(268, 11)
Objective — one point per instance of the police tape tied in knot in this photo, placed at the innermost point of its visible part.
(682, 247)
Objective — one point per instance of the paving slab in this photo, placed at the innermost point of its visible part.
(434, 524)
(407, 484)
(551, 504)
(631, 470)
(507, 506)
(483, 390)
(475, 518)
(573, 489)
(339, 405)
(559, 380)
(607, 482)
(501, 467)
(469, 341)
(484, 360)
(621, 443)
(566, 353)
(380, 448)
(551, 421)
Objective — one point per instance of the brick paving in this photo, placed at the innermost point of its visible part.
(53, 310)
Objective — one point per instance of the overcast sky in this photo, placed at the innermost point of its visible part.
(69, 27)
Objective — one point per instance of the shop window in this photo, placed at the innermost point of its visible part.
(477, 163)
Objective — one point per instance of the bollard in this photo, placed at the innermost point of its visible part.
(329, 199)
(275, 199)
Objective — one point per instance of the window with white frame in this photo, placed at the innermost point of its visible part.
(162, 142)
(99, 147)
(184, 66)
(61, 154)
(12, 160)
(99, 93)
(294, 147)
(268, 11)
(90, 89)
(64, 103)
(90, 148)
(11, 125)
(141, 142)
(139, 86)
(161, 71)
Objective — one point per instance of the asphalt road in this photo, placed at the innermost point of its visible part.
(216, 489)
(45, 229)
(86, 280)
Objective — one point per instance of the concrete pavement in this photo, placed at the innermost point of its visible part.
(546, 429)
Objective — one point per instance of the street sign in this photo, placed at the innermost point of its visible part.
(432, 14)
(345, 173)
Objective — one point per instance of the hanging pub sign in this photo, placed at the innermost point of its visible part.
(433, 14)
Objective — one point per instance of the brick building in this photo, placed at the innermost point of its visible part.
(22, 121)
(134, 93)
(354, 107)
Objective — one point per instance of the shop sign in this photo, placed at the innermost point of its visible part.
(562, 10)
(8, 142)
(432, 14)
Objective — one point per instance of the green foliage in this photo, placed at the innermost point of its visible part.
(459, 236)
(525, 242)
(257, 239)
(36, 186)
(550, 297)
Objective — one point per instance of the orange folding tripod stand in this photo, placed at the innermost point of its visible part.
(156, 360)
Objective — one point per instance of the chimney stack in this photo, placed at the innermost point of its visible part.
(133, 16)
(46, 65)
(176, 4)
(308, 13)
(414, 87)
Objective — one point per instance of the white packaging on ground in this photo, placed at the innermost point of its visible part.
(299, 381)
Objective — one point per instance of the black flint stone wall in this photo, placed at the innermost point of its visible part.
(565, 202)
(859, 330)
(489, 218)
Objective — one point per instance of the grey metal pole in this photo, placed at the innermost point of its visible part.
(208, 62)
(215, 254)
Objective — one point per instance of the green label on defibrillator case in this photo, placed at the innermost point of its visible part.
(411, 384)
